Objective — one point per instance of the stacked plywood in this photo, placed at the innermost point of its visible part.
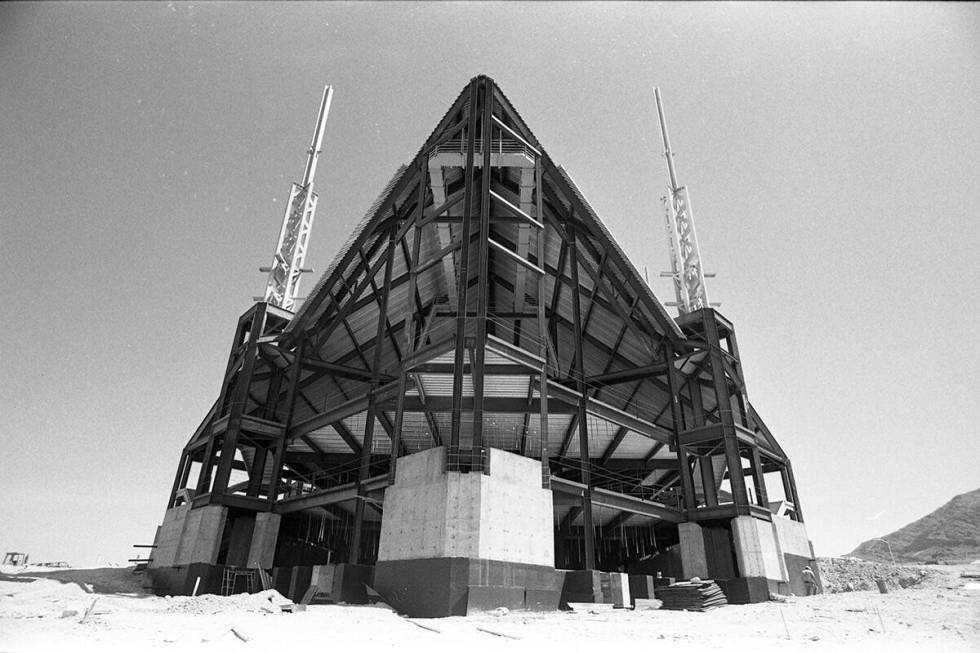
(697, 595)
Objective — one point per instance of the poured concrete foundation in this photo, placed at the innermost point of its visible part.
(504, 515)
(453, 542)
(769, 557)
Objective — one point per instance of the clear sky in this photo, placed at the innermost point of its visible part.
(146, 151)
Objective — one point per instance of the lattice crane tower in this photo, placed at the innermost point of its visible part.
(685, 255)
(282, 288)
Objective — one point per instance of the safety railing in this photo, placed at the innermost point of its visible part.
(497, 146)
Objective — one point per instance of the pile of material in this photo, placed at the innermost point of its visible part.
(268, 601)
(695, 595)
(852, 574)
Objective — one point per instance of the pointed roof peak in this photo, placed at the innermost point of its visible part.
(560, 196)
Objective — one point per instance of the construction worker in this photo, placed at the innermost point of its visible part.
(810, 581)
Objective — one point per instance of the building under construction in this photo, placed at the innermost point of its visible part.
(481, 403)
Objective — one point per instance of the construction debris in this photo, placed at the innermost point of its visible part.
(696, 595)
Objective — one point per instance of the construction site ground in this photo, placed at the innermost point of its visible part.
(105, 610)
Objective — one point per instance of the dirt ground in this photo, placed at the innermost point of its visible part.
(941, 612)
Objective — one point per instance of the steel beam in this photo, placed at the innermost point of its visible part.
(367, 447)
(542, 337)
(483, 290)
(463, 276)
(583, 430)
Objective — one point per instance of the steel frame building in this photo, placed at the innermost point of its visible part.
(482, 304)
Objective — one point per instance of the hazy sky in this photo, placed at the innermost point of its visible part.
(146, 152)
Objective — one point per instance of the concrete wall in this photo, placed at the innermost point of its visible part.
(516, 514)
(776, 551)
(264, 537)
(797, 552)
(168, 537)
(201, 538)
(240, 540)
(414, 521)
(430, 513)
(187, 536)
(792, 537)
(693, 560)
(756, 550)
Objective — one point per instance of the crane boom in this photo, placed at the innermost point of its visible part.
(282, 287)
(685, 254)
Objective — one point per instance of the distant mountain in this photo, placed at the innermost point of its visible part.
(949, 534)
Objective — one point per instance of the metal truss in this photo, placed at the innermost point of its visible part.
(282, 287)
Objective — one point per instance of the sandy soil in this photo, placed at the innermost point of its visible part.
(48, 614)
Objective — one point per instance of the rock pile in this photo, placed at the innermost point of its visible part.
(851, 574)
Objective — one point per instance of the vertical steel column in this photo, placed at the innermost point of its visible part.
(708, 480)
(207, 462)
(183, 470)
(237, 345)
(412, 266)
(677, 413)
(542, 326)
(736, 476)
(296, 374)
(240, 398)
(788, 472)
(747, 421)
(583, 429)
(367, 445)
(258, 471)
(758, 476)
(483, 280)
(464, 253)
(697, 399)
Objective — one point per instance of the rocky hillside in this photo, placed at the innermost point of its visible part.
(950, 534)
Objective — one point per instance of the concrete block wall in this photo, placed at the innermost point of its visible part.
(431, 513)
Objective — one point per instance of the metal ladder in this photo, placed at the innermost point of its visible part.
(230, 579)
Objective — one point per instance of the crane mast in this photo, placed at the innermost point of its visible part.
(282, 288)
(685, 254)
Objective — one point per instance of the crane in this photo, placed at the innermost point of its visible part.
(282, 287)
(685, 254)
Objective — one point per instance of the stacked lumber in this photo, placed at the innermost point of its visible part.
(696, 595)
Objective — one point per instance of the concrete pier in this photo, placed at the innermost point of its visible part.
(454, 542)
